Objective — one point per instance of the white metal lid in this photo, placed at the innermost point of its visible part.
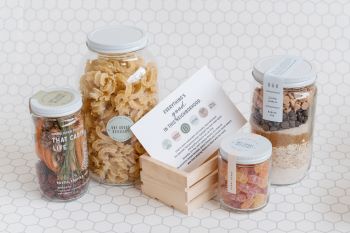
(55, 102)
(300, 73)
(247, 148)
(116, 39)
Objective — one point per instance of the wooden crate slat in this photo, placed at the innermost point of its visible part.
(162, 171)
(202, 171)
(184, 191)
(163, 194)
(171, 185)
(201, 199)
(202, 185)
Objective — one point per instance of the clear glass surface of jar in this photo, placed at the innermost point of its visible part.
(60, 144)
(118, 83)
(292, 135)
(244, 180)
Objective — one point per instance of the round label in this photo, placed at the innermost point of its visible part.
(118, 128)
(56, 98)
(185, 128)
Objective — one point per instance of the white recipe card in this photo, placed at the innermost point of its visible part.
(186, 128)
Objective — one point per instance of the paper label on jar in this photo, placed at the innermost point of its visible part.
(231, 174)
(118, 128)
(62, 149)
(273, 89)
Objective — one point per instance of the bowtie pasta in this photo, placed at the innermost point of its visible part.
(116, 86)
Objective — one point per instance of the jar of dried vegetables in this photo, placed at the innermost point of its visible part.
(283, 110)
(118, 85)
(60, 143)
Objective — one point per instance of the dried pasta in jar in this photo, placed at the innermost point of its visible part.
(119, 86)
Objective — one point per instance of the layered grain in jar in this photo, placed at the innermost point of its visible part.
(292, 135)
(119, 86)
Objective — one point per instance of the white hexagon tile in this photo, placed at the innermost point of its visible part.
(42, 43)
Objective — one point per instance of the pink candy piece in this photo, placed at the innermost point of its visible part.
(234, 200)
(249, 190)
(259, 200)
(234, 204)
(263, 183)
(251, 171)
(240, 197)
(245, 188)
(259, 190)
(247, 204)
(241, 177)
(250, 195)
(254, 179)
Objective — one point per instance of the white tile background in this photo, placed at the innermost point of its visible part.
(42, 43)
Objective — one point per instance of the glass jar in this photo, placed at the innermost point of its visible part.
(244, 168)
(60, 144)
(118, 85)
(283, 109)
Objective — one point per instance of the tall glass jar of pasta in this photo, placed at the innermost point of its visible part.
(118, 85)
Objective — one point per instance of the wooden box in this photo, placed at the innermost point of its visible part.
(185, 191)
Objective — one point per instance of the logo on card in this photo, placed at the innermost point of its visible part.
(176, 136)
(203, 112)
(194, 120)
(166, 144)
(185, 128)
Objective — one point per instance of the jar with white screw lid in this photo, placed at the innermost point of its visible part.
(283, 110)
(119, 85)
(244, 169)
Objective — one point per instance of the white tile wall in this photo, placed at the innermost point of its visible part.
(43, 41)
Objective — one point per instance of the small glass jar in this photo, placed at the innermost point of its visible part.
(60, 144)
(119, 85)
(283, 110)
(244, 168)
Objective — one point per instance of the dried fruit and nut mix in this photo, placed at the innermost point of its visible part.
(119, 86)
(60, 143)
(244, 168)
(283, 110)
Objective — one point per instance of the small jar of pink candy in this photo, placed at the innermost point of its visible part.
(244, 170)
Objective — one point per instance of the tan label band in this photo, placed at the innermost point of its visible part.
(231, 174)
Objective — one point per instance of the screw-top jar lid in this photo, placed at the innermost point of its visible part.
(247, 148)
(56, 102)
(300, 72)
(116, 39)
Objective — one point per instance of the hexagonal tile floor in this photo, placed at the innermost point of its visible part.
(43, 42)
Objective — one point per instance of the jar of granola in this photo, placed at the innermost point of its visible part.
(283, 111)
(60, 144)
(118, 85)
(244, 168)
